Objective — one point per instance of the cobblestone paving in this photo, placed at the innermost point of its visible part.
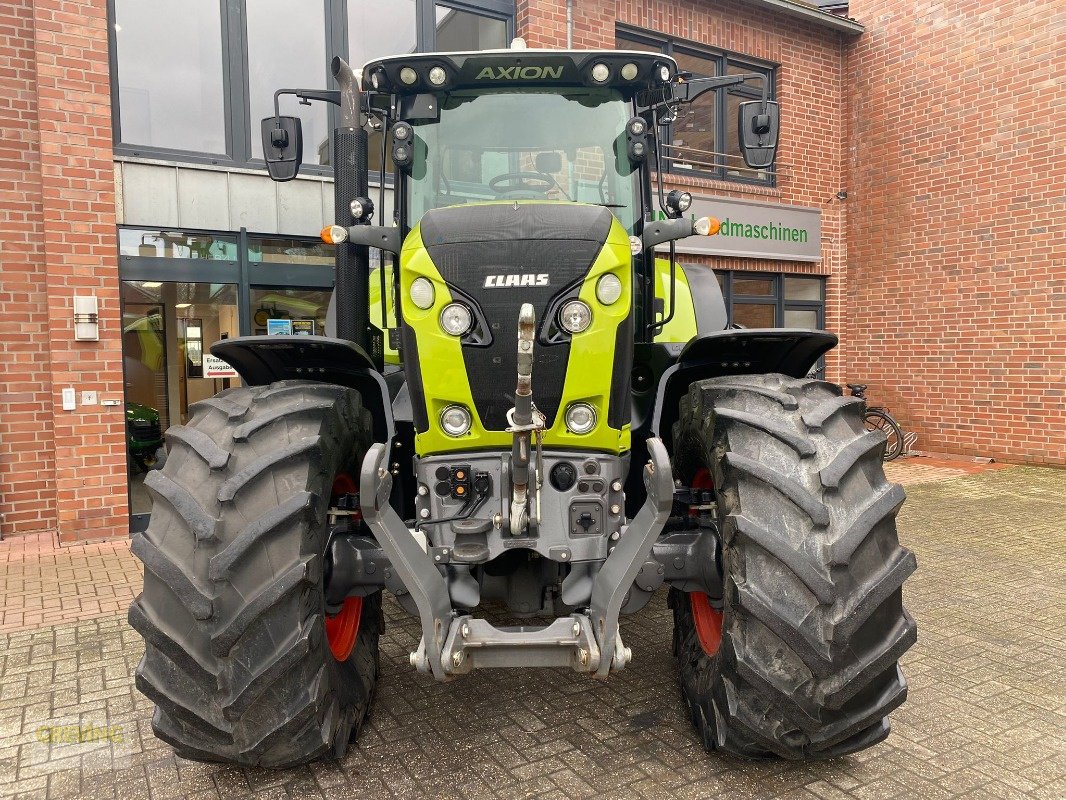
(985, 716)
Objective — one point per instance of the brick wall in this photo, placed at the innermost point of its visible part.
(27, 462)
(58, 469)
(957, 222)
(810, 88)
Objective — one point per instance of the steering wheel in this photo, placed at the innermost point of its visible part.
(510, 182)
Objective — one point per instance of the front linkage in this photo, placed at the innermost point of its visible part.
(454, 643)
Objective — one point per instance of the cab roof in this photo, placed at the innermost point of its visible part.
(627, 71)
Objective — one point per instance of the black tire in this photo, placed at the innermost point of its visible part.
(236, 657)
(877, 420)
(813, 623)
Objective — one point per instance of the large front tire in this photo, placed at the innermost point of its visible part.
(799, 658)
(239, 657)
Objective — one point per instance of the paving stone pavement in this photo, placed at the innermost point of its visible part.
(985, 717)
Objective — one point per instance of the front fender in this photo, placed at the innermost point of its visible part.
(746, 351)
(261, 360)
(672, 368)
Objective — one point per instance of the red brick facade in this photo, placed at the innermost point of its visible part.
(940, 265)
(63, 470)
(956, 223)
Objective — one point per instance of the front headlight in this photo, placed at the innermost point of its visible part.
(456, 319)
(422, 293)
(608, 289)
(575, 317)
(580, 418)
(455, 420)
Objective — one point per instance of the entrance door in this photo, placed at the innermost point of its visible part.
(167, 328)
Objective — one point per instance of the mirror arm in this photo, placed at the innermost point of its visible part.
(306, 95)
(689, 90)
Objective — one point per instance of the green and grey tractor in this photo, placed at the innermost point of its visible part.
(525, 421)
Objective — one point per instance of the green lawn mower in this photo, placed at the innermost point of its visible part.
(144, 438)
(530, 406)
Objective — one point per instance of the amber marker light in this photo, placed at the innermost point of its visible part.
(334, 234)
(707, 226)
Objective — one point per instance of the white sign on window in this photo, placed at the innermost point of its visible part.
(215, 367)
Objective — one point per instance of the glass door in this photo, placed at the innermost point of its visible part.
(167, 328)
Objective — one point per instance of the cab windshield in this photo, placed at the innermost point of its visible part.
(503, 144)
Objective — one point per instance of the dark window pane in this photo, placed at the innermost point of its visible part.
(287, 49)
(757, 286)
(695, 139)
(289, 251)
(722, 278)
(632, 44)
(461, 30)
(170, 74)
(176, 244)
(754, 315)
(375, 33)
(699, 66)
(801, 318)
(803, 288)
(304, 308)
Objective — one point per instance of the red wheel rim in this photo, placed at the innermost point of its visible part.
(708, 622)
(342, 629)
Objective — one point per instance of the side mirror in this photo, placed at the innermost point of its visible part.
(283, 147)
(758, 129)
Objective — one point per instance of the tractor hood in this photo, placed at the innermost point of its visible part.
(492, 258)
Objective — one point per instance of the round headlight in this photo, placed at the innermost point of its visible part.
(455, 420)
(422, 293)
(375, 79)
(637, 126)
(580, 418)
(664, 73)
(629, 71)
(575, 316)
(456, 319)
(437, 76)
(600, 73)
(608, 289)
(408, 76)
(401, 130)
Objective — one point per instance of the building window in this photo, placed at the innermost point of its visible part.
(170, 77)
(192, 80)
(703, 139)
(773, 300)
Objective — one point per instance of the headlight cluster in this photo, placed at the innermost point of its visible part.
(580, 418)
(456, 319)
(436, 75)
(455, 420)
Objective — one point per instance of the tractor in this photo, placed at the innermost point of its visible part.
(525, 420)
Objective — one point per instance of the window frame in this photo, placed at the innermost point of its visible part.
(776, 297)
(723, 60)
(238, 125)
